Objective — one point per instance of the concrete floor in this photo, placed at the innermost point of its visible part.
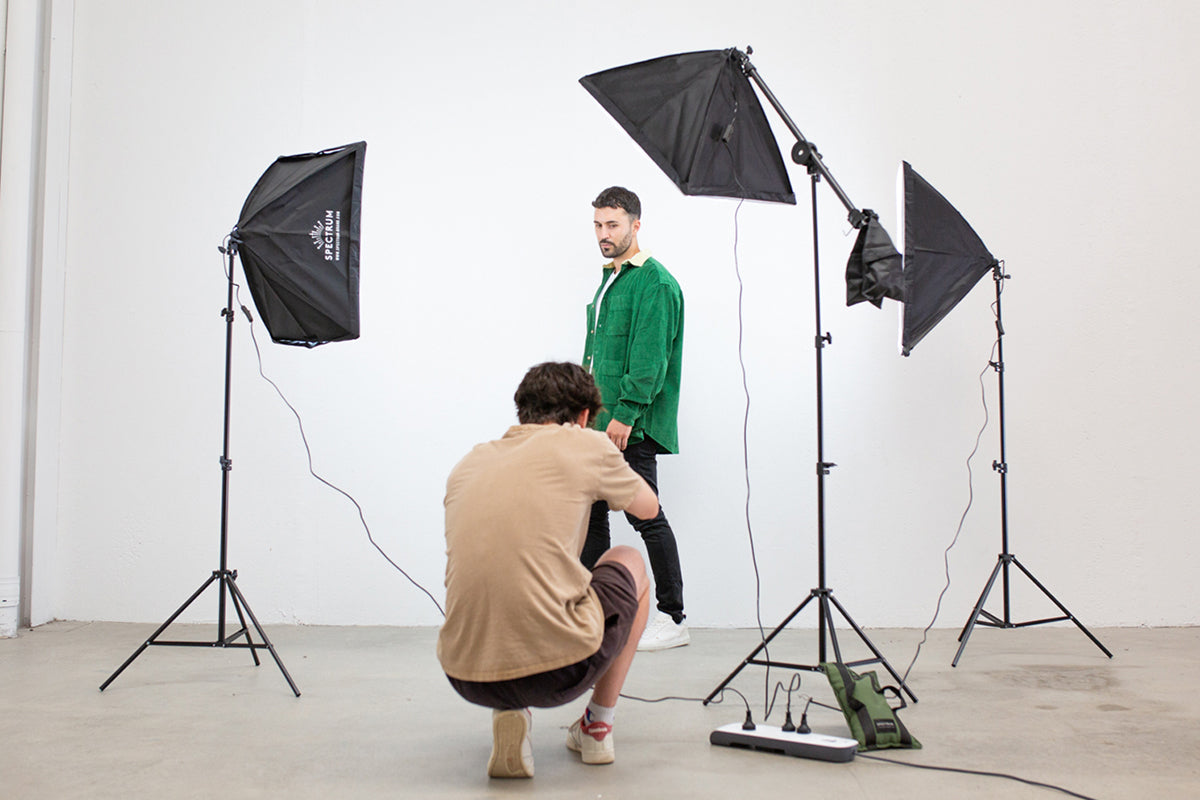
(377, 719)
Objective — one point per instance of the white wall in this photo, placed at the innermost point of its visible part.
(1062, 131)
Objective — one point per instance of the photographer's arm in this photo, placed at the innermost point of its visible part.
(645, 502)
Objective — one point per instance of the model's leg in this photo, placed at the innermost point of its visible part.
(663, 554)
(598, 537)
(661, 549)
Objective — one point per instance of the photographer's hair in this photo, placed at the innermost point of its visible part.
(556, 392)
(619, 197)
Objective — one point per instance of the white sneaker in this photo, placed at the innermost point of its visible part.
(662, 633)
(512, 748)
(592, 740)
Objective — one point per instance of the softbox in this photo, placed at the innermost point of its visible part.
(697, 116)
(943, 258)
(298, 238)
(873, 270)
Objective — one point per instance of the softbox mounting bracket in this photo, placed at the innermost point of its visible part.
(805, 154)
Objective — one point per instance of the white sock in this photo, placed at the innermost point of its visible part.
(599, 713)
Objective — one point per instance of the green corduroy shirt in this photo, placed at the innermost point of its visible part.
(634, 350)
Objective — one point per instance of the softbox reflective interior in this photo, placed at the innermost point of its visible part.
(697, 116)
(943, 258)
(298, 239)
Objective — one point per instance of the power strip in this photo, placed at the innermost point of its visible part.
(771, 739)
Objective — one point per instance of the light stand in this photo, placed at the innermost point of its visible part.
(1006, 558)
(805, 153)
(225, 578)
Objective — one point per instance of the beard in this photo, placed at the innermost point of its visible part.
(616, 249)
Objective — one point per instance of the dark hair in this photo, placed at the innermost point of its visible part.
(556, 392)
(619, 197)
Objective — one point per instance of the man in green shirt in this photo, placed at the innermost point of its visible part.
(634, 349)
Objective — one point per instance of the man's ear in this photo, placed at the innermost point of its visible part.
(584, 418)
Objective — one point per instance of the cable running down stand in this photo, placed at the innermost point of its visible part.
(225, 578)
(805, 153)
(1006, 558)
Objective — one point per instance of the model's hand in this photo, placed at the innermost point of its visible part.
(619, 433)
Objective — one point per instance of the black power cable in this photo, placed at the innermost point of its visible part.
(985, 774)
(737, 270)
(932, 767)
(308, 451)
(970, 492)
(962, 519)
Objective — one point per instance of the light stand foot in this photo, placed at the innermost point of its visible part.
(227, 583)
(992, 621)
(826, 602)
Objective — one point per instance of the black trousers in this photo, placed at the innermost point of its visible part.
(656, 533)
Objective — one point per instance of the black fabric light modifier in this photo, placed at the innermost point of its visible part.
(697, 116)
(298, 239)
(873, 270)
(943, 258)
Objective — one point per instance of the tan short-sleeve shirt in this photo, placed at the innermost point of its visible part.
(518, 600)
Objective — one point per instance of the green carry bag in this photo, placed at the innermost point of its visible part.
(870, 716)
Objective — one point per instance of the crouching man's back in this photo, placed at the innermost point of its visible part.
(526, 623)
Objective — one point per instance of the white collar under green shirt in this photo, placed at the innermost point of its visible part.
(639, 258)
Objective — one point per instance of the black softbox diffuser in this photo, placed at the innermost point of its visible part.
(298, 238)
(943, 258)
(874, 269)
(697, 116)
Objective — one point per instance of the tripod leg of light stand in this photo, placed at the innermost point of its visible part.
(824, 599)
(158, 632)
(1003, 560)
(244, 631)
(759, 648)
(879, 659)
(975, 612)
(1061, 607)
(827, 615)
(237, 593)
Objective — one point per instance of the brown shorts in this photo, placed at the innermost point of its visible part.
(617, 590)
